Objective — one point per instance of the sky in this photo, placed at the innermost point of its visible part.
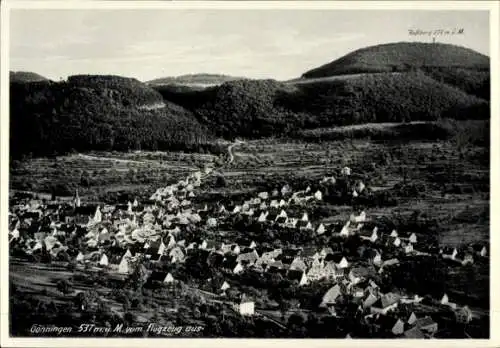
(279, 44)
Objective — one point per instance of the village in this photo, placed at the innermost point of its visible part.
(153, 237)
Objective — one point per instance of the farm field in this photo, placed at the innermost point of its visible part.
(96, 174)
(433, 180)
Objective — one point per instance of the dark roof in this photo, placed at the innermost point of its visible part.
(85, 210)
(337, 257)
(281, 220)
(424, 322)
(308, 251)
(414, 333)
(215, 259)
(295, 274)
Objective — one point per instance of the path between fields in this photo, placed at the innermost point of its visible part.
(121, 160)
(230, 150)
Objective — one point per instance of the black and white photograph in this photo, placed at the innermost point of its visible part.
(248, 172)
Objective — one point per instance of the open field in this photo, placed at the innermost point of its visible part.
(98, 173)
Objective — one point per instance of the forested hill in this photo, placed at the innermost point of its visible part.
(255, 108)
(98, 113)
(403, 56)
(457, 66)
(25, 76)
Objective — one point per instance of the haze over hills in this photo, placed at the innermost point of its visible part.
(195, 80)
(386, 83)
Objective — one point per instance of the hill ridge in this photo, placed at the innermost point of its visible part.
(401, 56)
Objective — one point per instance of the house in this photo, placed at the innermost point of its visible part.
(238, 268)
(396, 242)
(358, 219)
(345, 230)
(369, 300)
(248, 257)
(291, 222)
(325, 252)
(398, 328)
(372, 237)
(385, 304)
(426, 325)
(467, 258)
(358, 274)
(332, 271)
(343, 263)
(413, 238)
(317, 271)
(305, 217)
(360, 186)
(224, 286)
(211, 222)
(356, 291)
(103, 261)
(263, 195)
(298, 264)
(124, 266)
(245, 306)
(451, 256)
(483, 251)
(331, 296)
(285, 190)
(169, 279)
(394, 234)
(80, 257)
(412, 319)
(282, 214)
(321, 229)
(444, 299)
(263, 216)
(176, 255)
(274, 204)
(408, 248)
(318, 195)
(305, 226)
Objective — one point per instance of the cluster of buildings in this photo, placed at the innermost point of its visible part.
(163, 229)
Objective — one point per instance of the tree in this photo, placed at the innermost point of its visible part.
(221, 181)
(64, 286)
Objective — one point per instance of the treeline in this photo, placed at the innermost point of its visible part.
(95, 113)
(472, 132)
